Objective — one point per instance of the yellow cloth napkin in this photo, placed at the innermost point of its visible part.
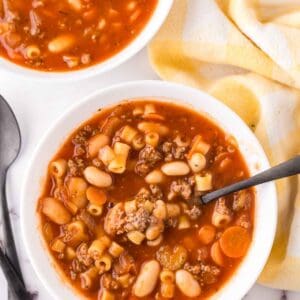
(247, 54)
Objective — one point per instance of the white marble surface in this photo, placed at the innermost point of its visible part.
(37, 105)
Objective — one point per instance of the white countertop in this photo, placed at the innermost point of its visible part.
(37, 105)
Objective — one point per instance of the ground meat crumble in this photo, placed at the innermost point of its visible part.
(182, 188)
(172, 151)
(194, 213)
(148, 157)
(137, 220)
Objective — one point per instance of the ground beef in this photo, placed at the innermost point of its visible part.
(142, 196)
(206, 274)
(148, 157)
(83, 135)
(221, 207)
(76, 166)
(194, 213)
(193, 269)
(138, 220)
(88, 220)
(61, 193)
(156, 192)
(203, 254)
(142, 168)
(171, 222)
(108, 282)
(181, 188)
(209, 274)
(83, 256)
(97, 163)
(77, 267)
(79, 150)
(172, 151)
(125, 264)
(115, 220)
(241, 201)
(73, 275)
(243, 221)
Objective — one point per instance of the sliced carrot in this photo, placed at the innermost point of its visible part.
(235, 241)
(195, 142)
(216, 254)
(206, 234)
(198, 145)
(96, 196)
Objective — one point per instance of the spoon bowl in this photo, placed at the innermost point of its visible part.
(9, 149)
(10, 136)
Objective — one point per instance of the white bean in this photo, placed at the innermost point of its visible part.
(61, 43)
(160, 210)
(187, 284)
(175, 168)
(155, 177)
(155, 242)
(97, 177)
(153, 231)
(147, 279)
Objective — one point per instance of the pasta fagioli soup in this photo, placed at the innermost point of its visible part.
(120, 211)
(65, 35)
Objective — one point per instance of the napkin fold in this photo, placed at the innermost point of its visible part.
(246, 53)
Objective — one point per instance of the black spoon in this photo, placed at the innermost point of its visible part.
(10, 144)
(288, 168)
(13, 278)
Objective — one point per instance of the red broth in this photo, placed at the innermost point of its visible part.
(114, 204)
(64, 35)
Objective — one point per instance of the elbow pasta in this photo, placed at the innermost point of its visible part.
(95, 210)
(104, 263)
(97, 248)
(58, 168)
(118, 212)
(69, 34)
(88, 278)
(115, 249)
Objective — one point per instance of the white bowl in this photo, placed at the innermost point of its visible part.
(266, 202)
(156, 20)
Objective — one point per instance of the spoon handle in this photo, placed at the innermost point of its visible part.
(9, 243)
(13, 280)
(288, 168)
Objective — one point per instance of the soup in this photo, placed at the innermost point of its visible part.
(121, 213)
(64, 35)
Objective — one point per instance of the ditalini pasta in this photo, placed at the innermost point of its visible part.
(63, 35)
(120, 211)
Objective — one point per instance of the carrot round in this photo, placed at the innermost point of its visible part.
(206, 234)
(96, 196)
(235, 241)
(216, 254)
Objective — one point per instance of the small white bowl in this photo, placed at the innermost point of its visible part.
(266, 201)
(156, 20)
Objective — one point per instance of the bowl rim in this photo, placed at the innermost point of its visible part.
(140, 41)
(259, 258)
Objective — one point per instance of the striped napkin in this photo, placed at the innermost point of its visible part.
(246, 53)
